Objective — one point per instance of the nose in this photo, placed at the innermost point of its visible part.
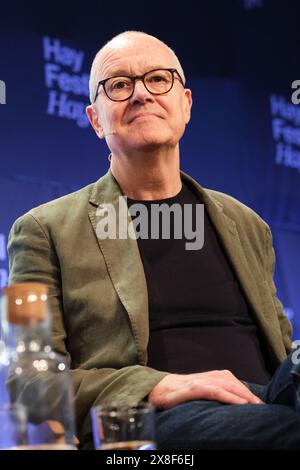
(140, 93)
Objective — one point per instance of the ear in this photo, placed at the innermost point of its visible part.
(94, 120)
(188, 101)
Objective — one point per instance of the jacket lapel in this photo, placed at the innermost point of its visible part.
(228, 234)
(242, 264)
(123, 262)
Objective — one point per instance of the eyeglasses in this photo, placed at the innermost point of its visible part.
(157, 82)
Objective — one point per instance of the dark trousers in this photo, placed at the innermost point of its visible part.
(203, 424)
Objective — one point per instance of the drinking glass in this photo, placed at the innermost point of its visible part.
(122, 427)
(13, 426)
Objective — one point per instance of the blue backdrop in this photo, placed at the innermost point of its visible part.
(240, 59)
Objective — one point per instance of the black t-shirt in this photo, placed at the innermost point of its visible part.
(199, 317)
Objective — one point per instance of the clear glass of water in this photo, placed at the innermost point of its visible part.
(123, 427)
(13, 426)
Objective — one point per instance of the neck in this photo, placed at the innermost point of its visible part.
(147, 176)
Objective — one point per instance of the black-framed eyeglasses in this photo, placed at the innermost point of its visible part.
(121, 87)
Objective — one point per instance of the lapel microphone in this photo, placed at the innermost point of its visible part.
(105, 134)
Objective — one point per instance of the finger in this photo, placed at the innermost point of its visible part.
(210, 393)
(242, 391)
(220, 394)
(230, 377)
(258, 400)
(231, 399)
(255, 397)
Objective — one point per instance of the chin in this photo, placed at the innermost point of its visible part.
(152, 144)
(154, 138)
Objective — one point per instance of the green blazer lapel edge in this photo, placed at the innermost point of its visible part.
(228, 234)
(123, 263)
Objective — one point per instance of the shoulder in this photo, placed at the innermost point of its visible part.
(248, 223)
(231, 206)
(56, 214)
(234, 207)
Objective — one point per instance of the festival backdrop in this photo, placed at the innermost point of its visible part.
(240, 58)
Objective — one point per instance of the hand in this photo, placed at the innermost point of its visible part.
(216, 385)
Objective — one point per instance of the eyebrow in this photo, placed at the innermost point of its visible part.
(123, 73)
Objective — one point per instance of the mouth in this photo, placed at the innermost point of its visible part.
(143, 116)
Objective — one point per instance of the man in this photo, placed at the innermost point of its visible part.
(208, 320)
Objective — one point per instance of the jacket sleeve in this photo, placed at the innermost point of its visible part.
(285, 325)
(32, 258)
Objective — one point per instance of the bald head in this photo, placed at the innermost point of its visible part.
(125, 39)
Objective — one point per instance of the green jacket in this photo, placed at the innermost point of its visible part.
(98, 291)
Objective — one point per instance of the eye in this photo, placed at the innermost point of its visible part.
(119, 83)
(157, 77)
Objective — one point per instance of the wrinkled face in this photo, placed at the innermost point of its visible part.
(145, 121)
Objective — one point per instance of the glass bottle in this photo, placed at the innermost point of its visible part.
(31, 373)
